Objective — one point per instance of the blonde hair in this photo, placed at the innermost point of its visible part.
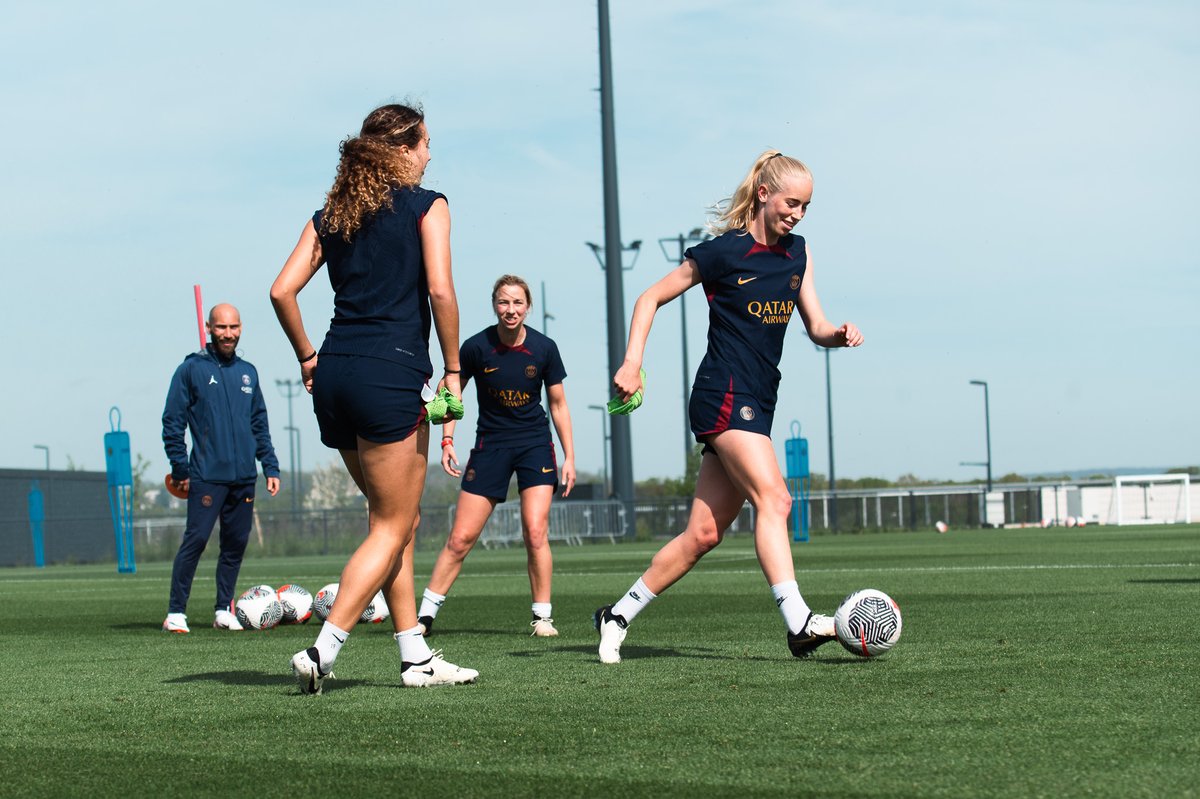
(512, 280)
(371, 166)
(770, 169)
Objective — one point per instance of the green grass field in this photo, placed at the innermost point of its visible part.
(1033, 663)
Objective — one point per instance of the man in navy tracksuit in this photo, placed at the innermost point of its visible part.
(216, 395)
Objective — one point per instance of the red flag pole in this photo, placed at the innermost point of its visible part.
(199, 314)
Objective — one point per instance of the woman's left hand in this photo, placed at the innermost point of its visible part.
(568, 476)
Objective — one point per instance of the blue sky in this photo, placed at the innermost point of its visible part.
(1004, 191)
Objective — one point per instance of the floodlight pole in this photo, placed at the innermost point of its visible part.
(622, 449)
(291, 389)
(47, 451)
(603, 441)
(696, 236)
(987, 422)
(829, 425)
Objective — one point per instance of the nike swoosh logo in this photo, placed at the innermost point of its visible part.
(339, 640)
(487, 370)
(546, 471)
(426, 672)
(744, 280)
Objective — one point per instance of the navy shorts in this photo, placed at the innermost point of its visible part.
(713, 412)
(490, 468)
(357, 396)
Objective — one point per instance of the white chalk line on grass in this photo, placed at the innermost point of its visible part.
(103, 583)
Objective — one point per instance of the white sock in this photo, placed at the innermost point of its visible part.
(413, 648)
(793, 607)
(431, 603)
(541, 610)
(635, 600)
(329, 642)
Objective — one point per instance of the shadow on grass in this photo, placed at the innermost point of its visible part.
(259, 679)
(639, 652)
(1170, 581)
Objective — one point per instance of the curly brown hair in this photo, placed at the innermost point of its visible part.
(371, 166)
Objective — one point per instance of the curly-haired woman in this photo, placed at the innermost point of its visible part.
(387, 243)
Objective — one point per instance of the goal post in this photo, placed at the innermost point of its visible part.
(1152, 498)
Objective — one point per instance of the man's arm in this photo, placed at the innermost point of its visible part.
(174, 424)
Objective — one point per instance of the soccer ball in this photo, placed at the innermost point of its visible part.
(376, 611)
(941, 527)
(297, 604)
(867, 623)
(259, 608)
(323, 601)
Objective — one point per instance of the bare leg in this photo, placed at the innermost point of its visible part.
(535, 526)
(470, 516)
(749, 461)
(392, 513)
(717, 504)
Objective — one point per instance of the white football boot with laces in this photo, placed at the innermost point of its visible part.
(435, 671)
(543, 627)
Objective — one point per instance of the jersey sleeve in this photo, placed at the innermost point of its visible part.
(553, 372)
(708, 259)
(468, 361)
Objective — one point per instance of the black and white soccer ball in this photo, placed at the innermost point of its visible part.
(259, 608)
(297, 604)
(323, 601)
(376, 610)
(868, 623)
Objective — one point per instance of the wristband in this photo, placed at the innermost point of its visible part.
(447, 442)
(452, 371)
(309, 358)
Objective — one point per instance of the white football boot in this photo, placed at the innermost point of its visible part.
(306, 666)
(224, 620)
(612, 630)
(175, 623)
(435, 671)
(543, 627)
(817, 630)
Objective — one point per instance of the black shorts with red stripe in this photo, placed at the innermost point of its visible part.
(489, 469)
(714, 412)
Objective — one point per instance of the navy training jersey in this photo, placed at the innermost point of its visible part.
(752, 291)
(381, 298)
(508, 385)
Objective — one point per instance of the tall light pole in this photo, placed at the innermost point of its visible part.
(833, 522)
(695, 236)
(987, 422)
(47, 451)
(604, 441)
(546, 315)
(622, 447)
(291, 389)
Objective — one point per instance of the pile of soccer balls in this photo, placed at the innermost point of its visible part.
(262, 607)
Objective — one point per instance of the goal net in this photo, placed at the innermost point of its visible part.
(1151, 499)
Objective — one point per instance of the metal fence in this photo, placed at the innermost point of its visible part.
(81, 531)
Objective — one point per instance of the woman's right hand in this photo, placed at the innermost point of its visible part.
(627, 380)
(307, 370)
(453, 382)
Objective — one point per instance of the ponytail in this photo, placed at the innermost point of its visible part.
(769, 169)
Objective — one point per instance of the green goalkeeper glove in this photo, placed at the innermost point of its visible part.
(444, 405)
(618, 408)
